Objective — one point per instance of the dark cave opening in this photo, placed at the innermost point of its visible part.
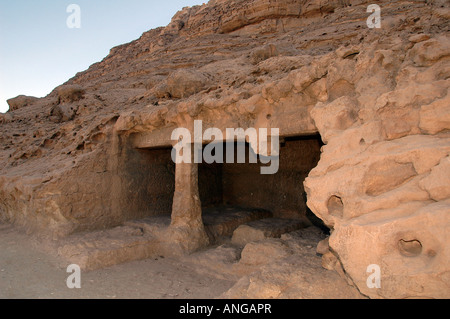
(231, 187)
(237, 189)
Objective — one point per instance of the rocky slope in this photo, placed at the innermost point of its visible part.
(378, 97)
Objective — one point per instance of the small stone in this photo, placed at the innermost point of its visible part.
(323, 246)
(329, 261)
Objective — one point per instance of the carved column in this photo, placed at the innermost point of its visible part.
(187, 232)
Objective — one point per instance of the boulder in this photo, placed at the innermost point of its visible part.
(20, 102)
(184, 83)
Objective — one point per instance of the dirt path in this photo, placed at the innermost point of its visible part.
(27, 272)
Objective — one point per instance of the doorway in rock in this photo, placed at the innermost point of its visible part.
(150, 183)
(233, 194)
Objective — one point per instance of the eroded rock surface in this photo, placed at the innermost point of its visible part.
(73, 161)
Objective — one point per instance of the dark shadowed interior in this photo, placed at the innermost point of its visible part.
(243, 185)
(151, 181)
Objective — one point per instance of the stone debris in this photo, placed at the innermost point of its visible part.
(265, 228)
(110, 247)
(223, 222)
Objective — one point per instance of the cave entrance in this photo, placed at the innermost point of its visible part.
(150, 183)
(237, 193)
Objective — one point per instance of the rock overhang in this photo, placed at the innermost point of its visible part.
(378, 98)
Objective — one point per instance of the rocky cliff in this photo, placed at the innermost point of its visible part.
(378, 97)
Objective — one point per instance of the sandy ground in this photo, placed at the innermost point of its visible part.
(28, 272)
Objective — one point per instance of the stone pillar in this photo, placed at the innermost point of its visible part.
(187, 232)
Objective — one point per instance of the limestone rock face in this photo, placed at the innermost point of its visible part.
(20, 101)
(95, 152)
(380, 182)
(184, 83)
(70, 93)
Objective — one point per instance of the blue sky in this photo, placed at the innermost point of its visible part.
(39, 52)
